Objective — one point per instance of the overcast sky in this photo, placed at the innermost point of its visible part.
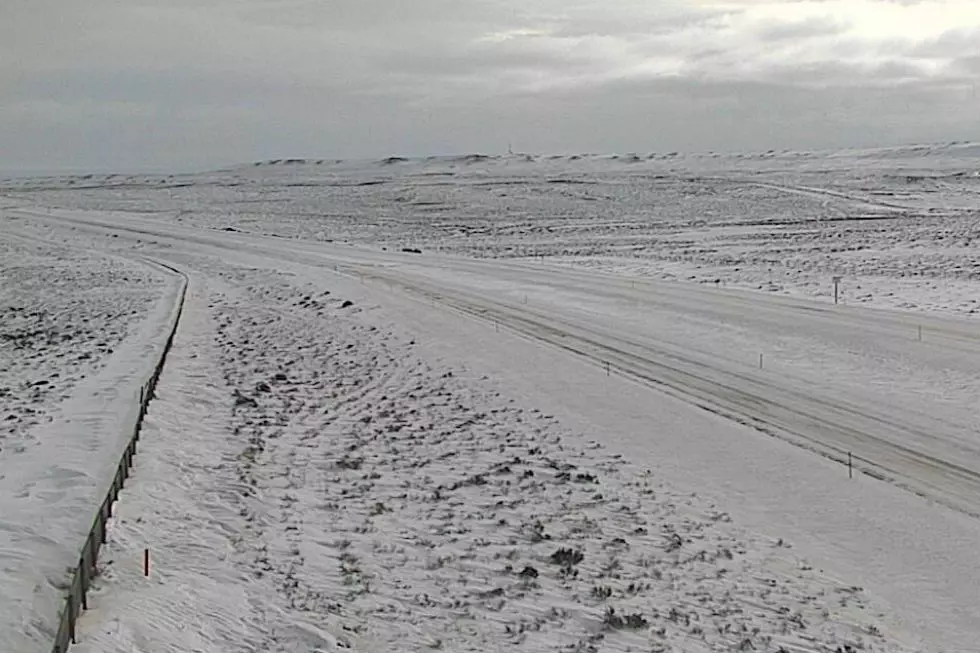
(190, 84)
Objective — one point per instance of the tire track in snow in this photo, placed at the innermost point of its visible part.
(825, 427)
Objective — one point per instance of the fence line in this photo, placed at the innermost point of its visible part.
(85, 571)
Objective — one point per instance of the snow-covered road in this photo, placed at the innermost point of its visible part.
(832, 379)
(835, 380)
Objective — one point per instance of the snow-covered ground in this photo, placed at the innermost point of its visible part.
(896, 224)
(356, 447)
(78, 332)
(356, 496)
(64, 311)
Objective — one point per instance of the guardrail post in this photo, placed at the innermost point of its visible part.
(71, 618)
(61, 641)
(83, 578)
(93, 554)
(103, 519)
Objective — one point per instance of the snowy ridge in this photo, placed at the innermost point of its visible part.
(956, 149)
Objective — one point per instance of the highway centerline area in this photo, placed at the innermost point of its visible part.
(834, 379)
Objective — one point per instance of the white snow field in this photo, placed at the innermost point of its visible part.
(77, 333)
(65, 311)
(565, 419)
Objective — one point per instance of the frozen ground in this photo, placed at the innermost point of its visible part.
(359, 447)
(78, 330)
(896, 224)
(356, 496)
(63, 312)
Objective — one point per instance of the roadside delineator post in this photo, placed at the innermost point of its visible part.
(850, 466)
(146, 562)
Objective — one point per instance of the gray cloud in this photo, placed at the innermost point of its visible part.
(970, 66)
(831, 74)
(480, 59)
(115, 84)
(809, 28)
(955, 43)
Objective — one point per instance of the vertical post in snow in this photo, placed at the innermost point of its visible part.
(850, 466)
(607, 368)
(146, 562)
(836, 288)
(72, 614)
